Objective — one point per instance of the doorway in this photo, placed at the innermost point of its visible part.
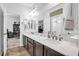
(13, 31)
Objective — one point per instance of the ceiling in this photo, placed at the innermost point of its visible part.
(26, 8)
(31, 6)
(36, 9)
(39, 6)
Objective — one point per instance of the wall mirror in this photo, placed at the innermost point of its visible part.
(57, 24)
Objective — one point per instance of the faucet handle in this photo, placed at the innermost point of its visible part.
(49, 34)
(60, 37)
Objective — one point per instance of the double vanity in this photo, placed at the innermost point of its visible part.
(38, 45)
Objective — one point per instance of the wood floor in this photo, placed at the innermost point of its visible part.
(13, 42)
(17, 51)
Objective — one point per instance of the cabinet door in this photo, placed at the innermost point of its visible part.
(30, 48)
(45, 51)
(51, 52)
(24, 41)
(38, 49)
(30, 40)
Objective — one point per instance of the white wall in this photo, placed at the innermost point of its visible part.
(75, 18)
(47, 22)
(75, 15)
(4, 28)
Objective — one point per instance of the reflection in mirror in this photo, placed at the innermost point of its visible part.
(40, 26)
(29, 25)
(25, 27)
(34, 25)
(57, 24)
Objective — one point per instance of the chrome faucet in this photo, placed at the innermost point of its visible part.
(54, 37)
(49, 34)
(60, 37)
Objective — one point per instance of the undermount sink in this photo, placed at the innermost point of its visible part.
(57, 42)
(45, 38)
(54, 42)
(74, 37)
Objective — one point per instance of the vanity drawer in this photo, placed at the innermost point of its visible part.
(30, 40)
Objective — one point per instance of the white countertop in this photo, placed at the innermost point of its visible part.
(75, 37)
(63, 47)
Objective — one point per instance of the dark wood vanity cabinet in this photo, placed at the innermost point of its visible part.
(38, 49)
(41, 50)
(34, 48)
(51, 52)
